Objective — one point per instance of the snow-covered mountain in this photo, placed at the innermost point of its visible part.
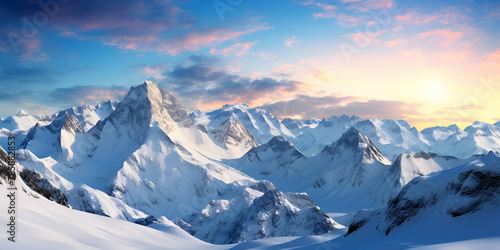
(392, 137)
(349, 175)
(471, 190)
(148, 158)
(240, 174)
(233, 133)
(23, 121)
(88, 115)
(260, 123)
(478, 138)
(54, 140)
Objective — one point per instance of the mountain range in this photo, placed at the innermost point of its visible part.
(240, 174)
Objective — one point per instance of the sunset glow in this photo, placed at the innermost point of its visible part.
(431, 63)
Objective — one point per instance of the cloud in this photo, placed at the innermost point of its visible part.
(238, 49)
(368, 5)
(365, 38)
(445, 15)
(22, 77)
(197, 39)
(303, 69)
(346, 20)
(447, 36)
(492, 59)
(324, 6)
(307, 107)
(329, 11)
(393, 43)
(156, 25)
(289, 42)
(78, 95)
(205, 82)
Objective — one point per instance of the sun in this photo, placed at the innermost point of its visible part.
(433, 90)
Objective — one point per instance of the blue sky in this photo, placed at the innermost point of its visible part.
(422, 61)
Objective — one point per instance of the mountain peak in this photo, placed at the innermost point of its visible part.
(145, 104)
(65, 121)
(279, 143)
(22, 113)
(355, 141)
(233, 132)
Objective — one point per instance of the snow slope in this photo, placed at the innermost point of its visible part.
(46, 225)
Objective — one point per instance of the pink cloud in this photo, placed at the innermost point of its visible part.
(364, 38)
(155, 72)
(319, 4)
(191, 41)
(397, 28)
(289, 42)
(197, 39)
(415, 18)
(447, 36)
(367, 5)
(447, 15)
(346, 20)
(328, 14)
(31, 51)
(393, 43)
(328, 10)
(494, 56)
(237, 49)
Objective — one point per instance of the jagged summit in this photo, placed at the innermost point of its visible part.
(145, 104)
(233, 132)
(65, 121)
(22, 113)
(280, 143)
(355, 141)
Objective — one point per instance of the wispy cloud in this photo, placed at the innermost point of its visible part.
(394, 43)
(328, 10)
(447, 36)
(237, 49)
(289, 42)
(306, 107)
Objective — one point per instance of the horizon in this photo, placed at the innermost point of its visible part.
(234, 104)
(430, 64)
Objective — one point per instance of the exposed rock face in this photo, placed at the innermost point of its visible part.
(258, 214)
(234, 133)
(35, 181)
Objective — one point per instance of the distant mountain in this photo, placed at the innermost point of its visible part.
(23, 121)
(260, 123)
(88, 115)
(392, 137)
(54, 140)
(478, 138)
